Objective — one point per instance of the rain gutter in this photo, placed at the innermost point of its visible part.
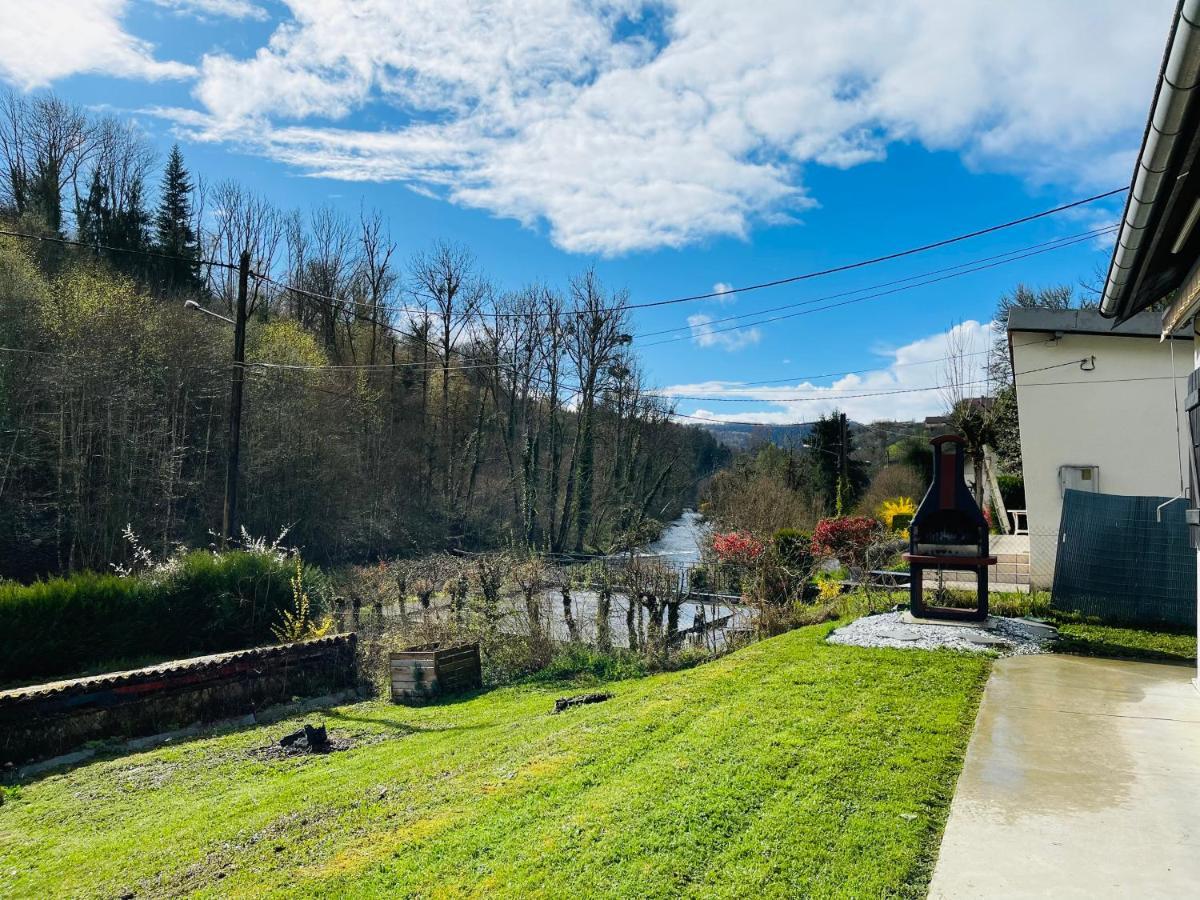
(1151, 183)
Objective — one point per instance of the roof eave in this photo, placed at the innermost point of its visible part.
(1156, 172)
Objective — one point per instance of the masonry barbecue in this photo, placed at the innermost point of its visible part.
(948, 533)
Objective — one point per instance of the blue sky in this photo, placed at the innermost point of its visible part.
(675, 145)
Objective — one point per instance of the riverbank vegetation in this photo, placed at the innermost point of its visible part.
(396, 398)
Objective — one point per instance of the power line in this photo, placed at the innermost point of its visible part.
(866, 297)
(435, 366)
(791, 279)
(712, 421)
(945, 242)
(887, 393)
(946, 273)
(924, 362)
(375, 367)
(96, 246)
(341, 301)
(1068, 240)
(568, 391)
(153, 364)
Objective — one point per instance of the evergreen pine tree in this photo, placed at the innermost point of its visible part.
(173, 227)
(89, 216)
(111, 223)
(825, 440)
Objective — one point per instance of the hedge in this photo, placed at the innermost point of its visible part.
(205, 604)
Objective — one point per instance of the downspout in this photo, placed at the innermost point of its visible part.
(1177, 89)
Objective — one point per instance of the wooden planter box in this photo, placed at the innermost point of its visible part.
(431, 670)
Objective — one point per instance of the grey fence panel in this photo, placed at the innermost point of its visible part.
(1118, 562)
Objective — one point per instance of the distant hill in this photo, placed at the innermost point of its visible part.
(739, 437)
(879, 442)
(870, 441)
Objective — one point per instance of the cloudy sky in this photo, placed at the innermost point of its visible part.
(681, 147)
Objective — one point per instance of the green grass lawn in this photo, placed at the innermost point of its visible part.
(790, 768)
(1090, 639)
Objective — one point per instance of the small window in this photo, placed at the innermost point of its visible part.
(1078, 478)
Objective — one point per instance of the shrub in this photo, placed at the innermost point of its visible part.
(828, 590)
(748, 499)
(737, 547)
(848, 538)
(794, 548)
(896, 480)
(896, 513)
(201, 603)
(784, 572)
(299, 623)
(1012, 489)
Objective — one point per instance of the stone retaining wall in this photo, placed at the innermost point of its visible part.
(47, 719)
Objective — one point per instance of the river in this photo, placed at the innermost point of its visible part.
(681, 541)
(679, 546)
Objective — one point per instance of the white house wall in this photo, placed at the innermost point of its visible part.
(1120, 417)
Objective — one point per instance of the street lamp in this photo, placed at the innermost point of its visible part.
(819, 449)
(229, 517)
(841, 456)
(192, 304)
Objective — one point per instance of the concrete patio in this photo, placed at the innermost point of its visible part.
(1082, 779)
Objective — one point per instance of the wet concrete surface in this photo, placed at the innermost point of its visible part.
(1082, 779)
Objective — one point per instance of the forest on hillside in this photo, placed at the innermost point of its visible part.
(396, 399)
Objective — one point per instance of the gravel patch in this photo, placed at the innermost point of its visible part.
(1008, 637)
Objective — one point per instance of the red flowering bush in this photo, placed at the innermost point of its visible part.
(847, 537)
(737, 547)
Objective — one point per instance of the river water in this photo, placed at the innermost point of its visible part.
(679, 546)
(681, 540)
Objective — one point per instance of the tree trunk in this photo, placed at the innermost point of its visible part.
(631, 629)
(568, 615)
(587, 456)
(603, 625)
(564, 522)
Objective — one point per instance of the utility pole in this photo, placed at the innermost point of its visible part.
(841, 491)
(229, 523)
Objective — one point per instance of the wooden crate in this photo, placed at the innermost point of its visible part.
(431, 670)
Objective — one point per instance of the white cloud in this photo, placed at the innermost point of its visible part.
(724, 292)
(906, 388)
(229, 9)
(45, 40)
(704, 335)
(626, 125)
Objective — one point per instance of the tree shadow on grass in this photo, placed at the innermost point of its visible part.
(109, 749)
(386, 721)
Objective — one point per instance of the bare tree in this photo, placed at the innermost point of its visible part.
(596, 332)
(376, 279)
(552, 352)
(969, 408)
(113, 214)
(242, 221)
(446, 279)
(44, 143)
(530, 576)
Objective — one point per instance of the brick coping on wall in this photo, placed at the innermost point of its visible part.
(197, 664)
(43, 720)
